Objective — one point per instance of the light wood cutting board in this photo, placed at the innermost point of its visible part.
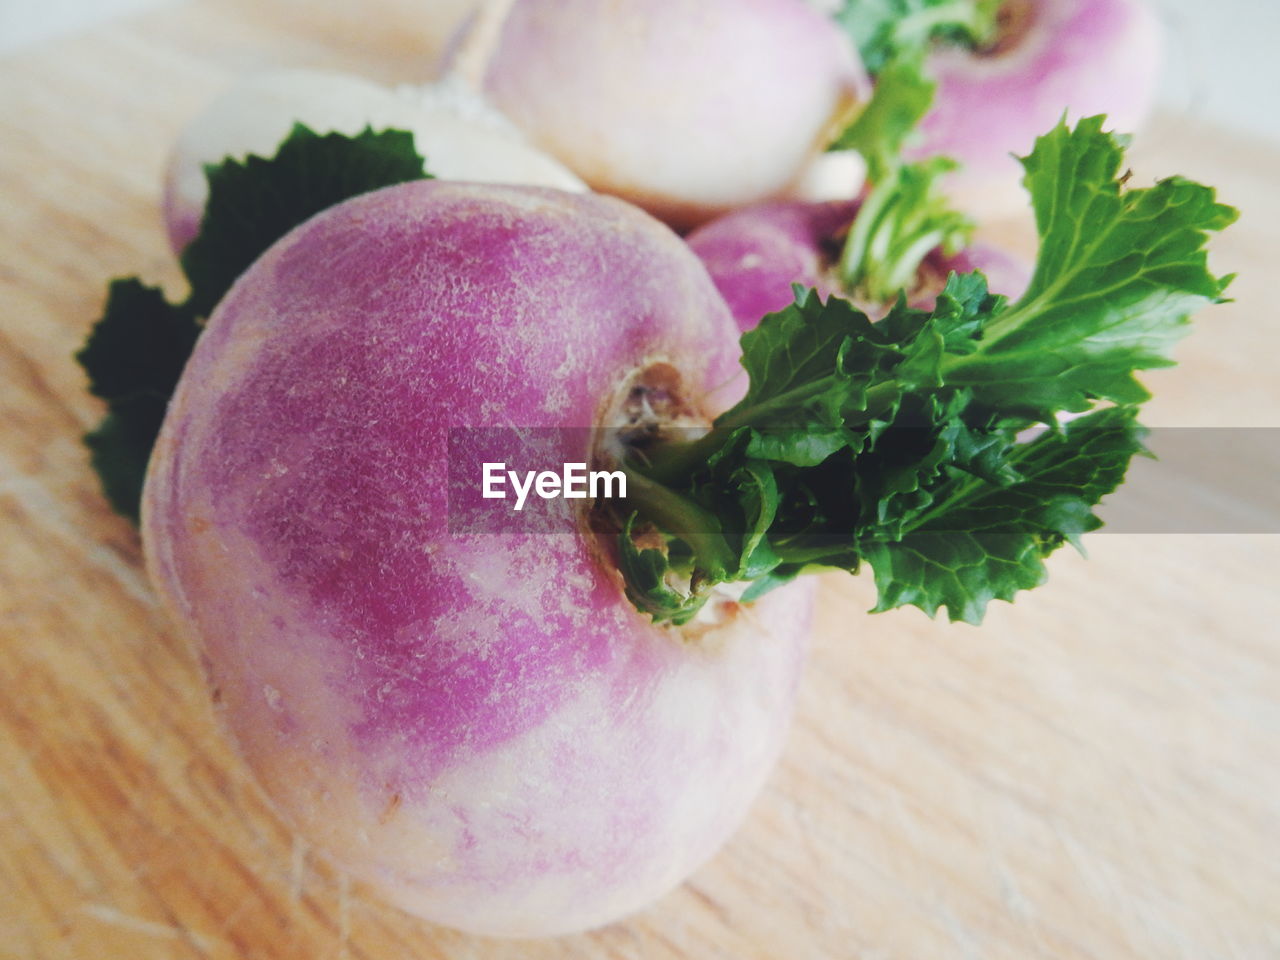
(1092, 774)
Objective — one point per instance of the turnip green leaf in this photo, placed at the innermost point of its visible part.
(137, 350)
(901, 443)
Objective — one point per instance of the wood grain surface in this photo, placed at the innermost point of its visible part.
(1094, 773)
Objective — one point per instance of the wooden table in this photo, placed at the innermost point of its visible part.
(1094, 773)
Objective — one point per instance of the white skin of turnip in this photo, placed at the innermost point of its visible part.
(1083, 57)
(479, 724)
(460, 135)
(687, 109)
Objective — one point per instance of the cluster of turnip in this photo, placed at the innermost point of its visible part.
(483, 726)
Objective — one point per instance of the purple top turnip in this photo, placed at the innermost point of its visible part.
(481, 725)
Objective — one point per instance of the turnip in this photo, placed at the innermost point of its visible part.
(1048, 57)
(755, 255)
(687, 109)
(480, 725)
(461, 136)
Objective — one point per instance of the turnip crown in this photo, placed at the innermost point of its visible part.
(884, 30)
(898, 443)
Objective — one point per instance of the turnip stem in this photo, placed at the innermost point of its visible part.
(679, 516)
(471, 61)
(672, 463)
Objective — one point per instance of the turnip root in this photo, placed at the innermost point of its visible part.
(1052, 56)
(687, 109)
(480, 725)
(461, 136)
(756, 254)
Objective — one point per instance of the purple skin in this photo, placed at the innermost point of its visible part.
(1081, 56)
(755, 255)
(481, 725)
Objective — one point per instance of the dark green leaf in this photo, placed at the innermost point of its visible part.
(645, 572)
(136, 352)
(121, 446)
(981, 541)
(140, 345)
(254, 203)
(1118, 276)
(898, 443)
(808, 364)
(758, 497)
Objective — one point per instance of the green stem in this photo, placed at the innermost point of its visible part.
(855, 256)
(680, 517)
(673, 463)
(903, 219)
(902, 275)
